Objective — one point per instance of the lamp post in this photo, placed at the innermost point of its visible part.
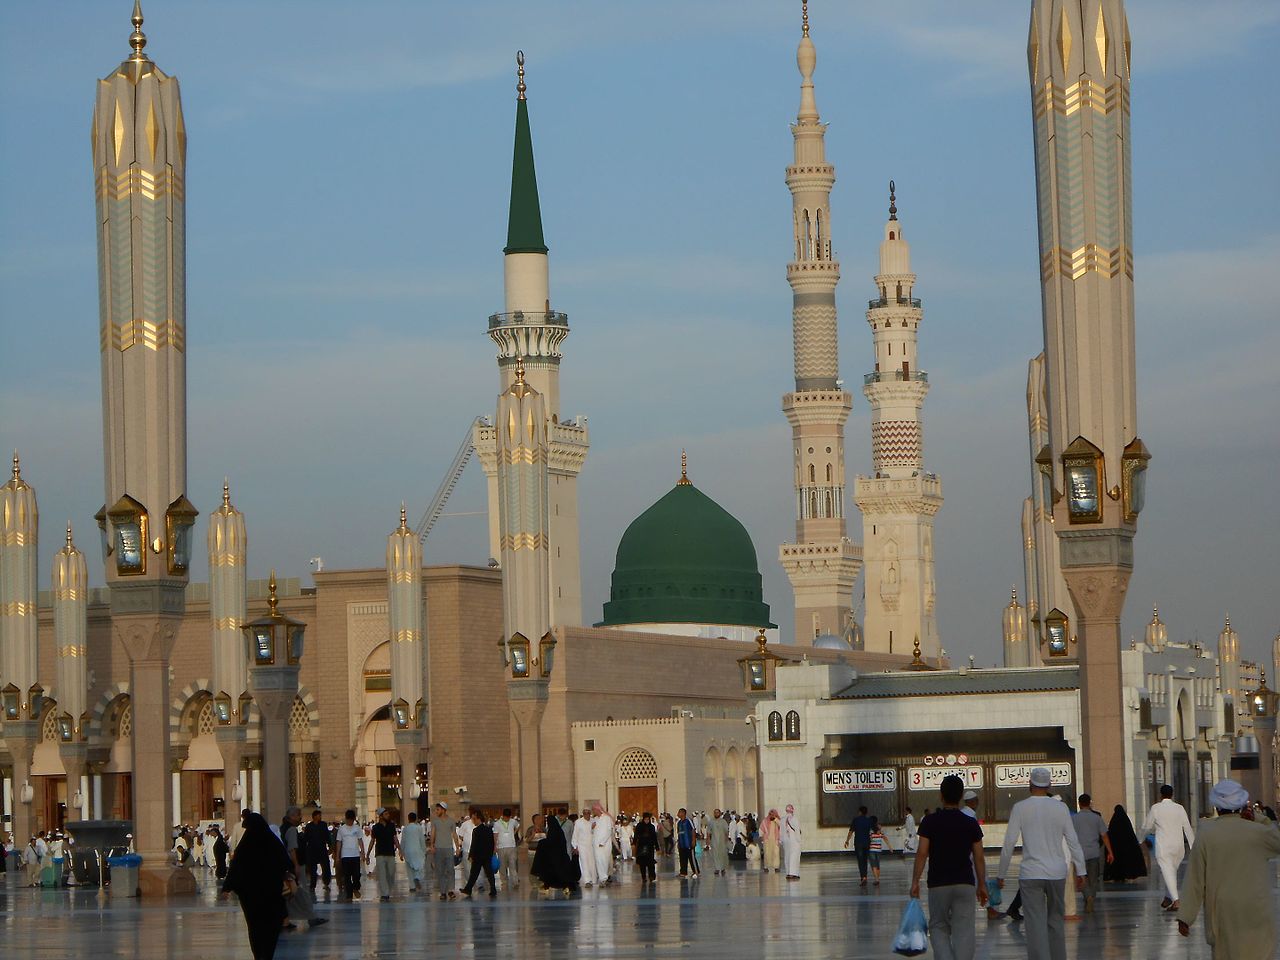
(275, 651)
(1264, 704)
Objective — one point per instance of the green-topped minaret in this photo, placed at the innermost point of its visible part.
(524, 223)
(529, 330)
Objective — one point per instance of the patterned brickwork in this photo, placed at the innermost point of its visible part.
(814, 332)
(896, 443)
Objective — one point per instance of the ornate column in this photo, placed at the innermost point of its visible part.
(276, 644)
(70, 585)
(408, 651)
(228, 550)
(22, 695)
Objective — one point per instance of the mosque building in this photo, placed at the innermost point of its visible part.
(400, 697)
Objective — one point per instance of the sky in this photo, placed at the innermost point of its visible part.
(347, 191)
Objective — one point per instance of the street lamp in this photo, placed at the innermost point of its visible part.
(546, 654)
(12, 698)
(127, 522)
(222, 708)
(1084, 479)
(179, 521)
(1133, 479)
(518, 651)
(1055, 633)
(759, 669)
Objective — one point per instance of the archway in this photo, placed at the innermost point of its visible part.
(636, 773)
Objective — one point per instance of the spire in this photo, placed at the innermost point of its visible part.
(226, 493)
(684, 480)
(804, 17)
(524, 222)
(1014, 599)
(272, 599)
(17, 468)
(893, 202)
(807, 61)
(519, 369)
(404, 517)
(138, 39)
(70, 545)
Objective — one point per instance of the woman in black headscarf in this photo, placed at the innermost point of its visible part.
(551, 863)
(260, 869)
(1129, 863)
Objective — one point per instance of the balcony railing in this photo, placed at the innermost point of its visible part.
(893, 301)
(888, 376)
(529, 318)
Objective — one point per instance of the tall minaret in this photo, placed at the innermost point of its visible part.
(899, 500)
(70, 585)
(408, 649)
(1079, 59)
(1046, 589)
(19, 533)
(139, 162)
(228, 554)
(1014, 630)
(529, 329)
(523, 511)
(1229, 673)
(822, 564)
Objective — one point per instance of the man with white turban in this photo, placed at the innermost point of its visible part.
(1168, 821)
(1229, 874)
(602, 838)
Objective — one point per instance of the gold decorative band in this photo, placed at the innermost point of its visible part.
(227, 623)
(406, 636)
(1082, 95)
(1086, 259)
(136, 181)
(71, 593)
(15, 539)
(521, 455)
(403, 576)
(523, 541)
(16, 608)
(71, 650)
(226, 560)
(153, 336)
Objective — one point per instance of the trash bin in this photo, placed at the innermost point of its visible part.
(122, 874)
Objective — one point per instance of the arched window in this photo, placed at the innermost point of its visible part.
(775, 726)
(808, 236)
(812, 474)
(828, 473)
(793, 725)
(818, 235)
(892, 235)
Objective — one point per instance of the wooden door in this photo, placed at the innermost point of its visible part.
(634, 801)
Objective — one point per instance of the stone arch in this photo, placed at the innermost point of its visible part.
(184, 706)
(312, 712)
(636, 765)
(104, 710)
(712, 765)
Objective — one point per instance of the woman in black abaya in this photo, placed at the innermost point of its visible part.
(259, 871)
(1129, 863)
(551, 863)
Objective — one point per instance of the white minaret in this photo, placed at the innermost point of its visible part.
(408, 649)
(1229, 674)
(822, 564)
(228, 545)
(19, 533)
(529, 329)
(899, 500)
(70, 586)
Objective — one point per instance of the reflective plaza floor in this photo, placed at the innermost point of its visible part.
(744, 915)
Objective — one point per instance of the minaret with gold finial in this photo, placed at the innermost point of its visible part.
(821, 563)
(1017, 651)
(1229, 673)
(19, 533)
(228, 544)
(408, 649)
(530, 330)
(70, 588)
(139, 146)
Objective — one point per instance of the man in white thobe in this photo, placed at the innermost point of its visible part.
(413, 850)
(1168, 821)
(602, 838)
(584, 848)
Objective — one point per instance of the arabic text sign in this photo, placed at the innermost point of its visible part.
(1013, 775)
(930, 778)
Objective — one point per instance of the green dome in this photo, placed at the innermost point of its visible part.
(686, 560)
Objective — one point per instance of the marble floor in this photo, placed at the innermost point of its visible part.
(744, 915)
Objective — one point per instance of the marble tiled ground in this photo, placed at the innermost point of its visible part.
(743, 915)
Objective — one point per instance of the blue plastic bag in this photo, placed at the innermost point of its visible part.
(913, 933)
(995, 896)
(494, 863)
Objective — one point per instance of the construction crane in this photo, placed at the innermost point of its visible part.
(450, 481)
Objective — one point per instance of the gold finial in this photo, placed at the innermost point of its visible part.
(684, 470)
(1015, 596)
(761, 640)
(804, 16)
(404, 517)
(520, 87)
(17, 467)
(893, 202)
(1155, 613)
(519, 369)
(137, 39)
(226, 493)
(915, 653)
(272, 599)
(69, 543)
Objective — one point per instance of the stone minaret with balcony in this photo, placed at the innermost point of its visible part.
(899, 500)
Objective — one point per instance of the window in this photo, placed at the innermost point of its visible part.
(812, 474)
(775, 726)
(589, 746)
(828, 469)
(793, 725)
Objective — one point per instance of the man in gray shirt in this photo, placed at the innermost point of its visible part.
(1092, 834)
(441, 848)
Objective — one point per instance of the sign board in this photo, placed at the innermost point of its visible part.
(859, 781)
(930, 778)
(1010, 776)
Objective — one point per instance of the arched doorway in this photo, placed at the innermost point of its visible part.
(637, 779)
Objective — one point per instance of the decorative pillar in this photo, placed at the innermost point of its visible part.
(1017, 652)
(276, 644)
(228, 551)
(139, 145)
(70, 584)
(408, 651)
(22, 695)
(1079, 61)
